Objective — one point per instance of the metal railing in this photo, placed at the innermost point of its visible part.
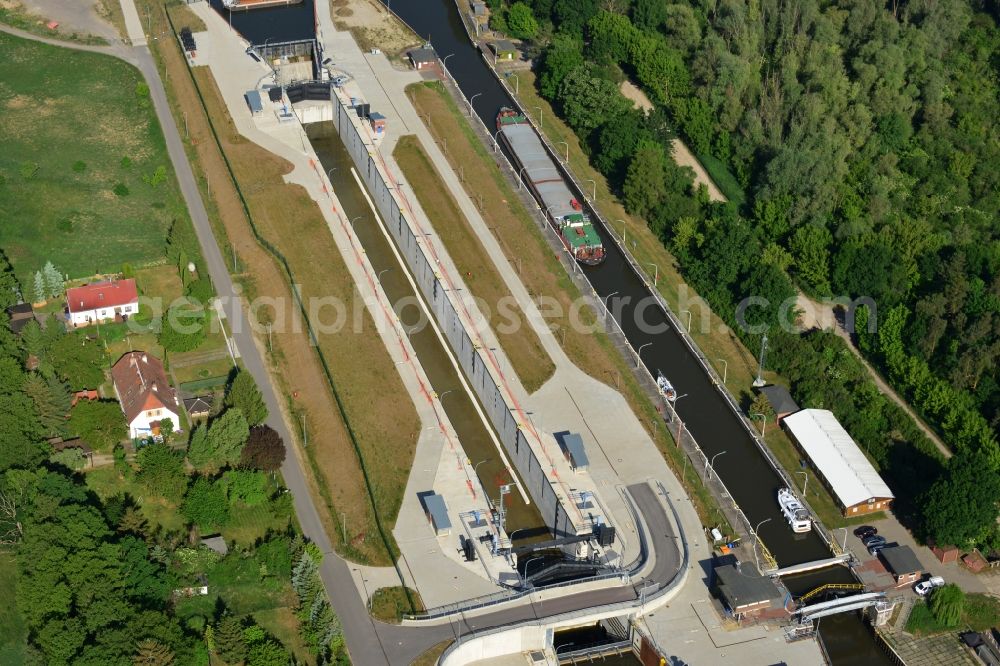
(640, 272)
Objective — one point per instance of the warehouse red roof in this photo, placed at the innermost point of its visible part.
(101, 295)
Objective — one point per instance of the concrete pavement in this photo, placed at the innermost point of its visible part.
(429, 563)
(369, 641)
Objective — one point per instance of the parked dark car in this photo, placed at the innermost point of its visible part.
(865, 532)
(872, 540)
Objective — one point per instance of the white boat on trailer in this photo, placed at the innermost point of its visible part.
(796, 515)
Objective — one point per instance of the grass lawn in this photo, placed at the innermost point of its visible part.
(380, 412)
(13, 631)
(981, 612)
(249, 523)
(544, 275)
(86, 181)
(282, 623)
(106, 482)
(160, 281)
(521, 345)
(388, 604)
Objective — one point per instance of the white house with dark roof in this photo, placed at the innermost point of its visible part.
(145, 394)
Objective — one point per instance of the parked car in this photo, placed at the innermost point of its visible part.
(865, 532)
(873, 540)
(879, 547)
(924, 587)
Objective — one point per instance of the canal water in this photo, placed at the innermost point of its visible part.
(457, 404)
(706, 415)
(744, 470)
(276, 24)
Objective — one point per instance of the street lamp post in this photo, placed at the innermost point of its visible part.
(638, 354)
(541, 117)
(642, 592)
(473, 99)
(594, 183)
(444, 63)
(656, 279)
(528, 563)
(680, 424)
(378, 276)
(760, 366)
(354, 219)
(443, 394)
(725, 369)
(711, 465)
(476, 466)
(329, 174)
(623, 230)
(520, 178)
(561, 647)
(805, 482)
(607, 302)
(688, 313)
(763, 421)
(756, 538)
(567, 150)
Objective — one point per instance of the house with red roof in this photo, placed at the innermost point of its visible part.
(101, 301)
(144, 393)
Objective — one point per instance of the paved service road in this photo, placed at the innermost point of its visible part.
(369, 642)
(363, 641)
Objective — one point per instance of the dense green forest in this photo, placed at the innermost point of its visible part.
(106, 561)
(857, 146)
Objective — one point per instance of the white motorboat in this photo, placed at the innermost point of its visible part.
(796, 515)
(665, 387)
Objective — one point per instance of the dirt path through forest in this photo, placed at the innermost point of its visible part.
(681, 153)
(814, 314)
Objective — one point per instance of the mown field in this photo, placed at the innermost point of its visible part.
(85, 181)
(521, 345)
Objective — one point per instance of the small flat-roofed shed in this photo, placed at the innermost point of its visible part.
(437, 512)
(743, 590)
(254, 102)
(575, 452)
(780, 400)
(903, 564)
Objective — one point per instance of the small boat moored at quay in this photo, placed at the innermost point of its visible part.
(796, 515)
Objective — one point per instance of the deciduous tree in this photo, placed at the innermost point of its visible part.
(264, 450)
(205, 505)
(99, 423)
(963, 502)
(521, 21)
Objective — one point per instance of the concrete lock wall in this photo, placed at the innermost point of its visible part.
(469, 357)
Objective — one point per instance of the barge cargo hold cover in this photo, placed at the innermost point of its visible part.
(546, 183)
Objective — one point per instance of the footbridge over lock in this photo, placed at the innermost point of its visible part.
(775, 572)
(841, 605)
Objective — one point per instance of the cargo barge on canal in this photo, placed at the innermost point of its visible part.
(537, 170)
